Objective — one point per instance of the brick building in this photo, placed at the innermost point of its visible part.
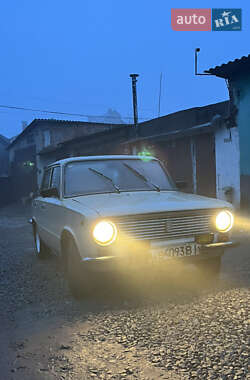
(25, 162)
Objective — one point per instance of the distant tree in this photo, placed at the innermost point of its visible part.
(24, 124)
(111, 117)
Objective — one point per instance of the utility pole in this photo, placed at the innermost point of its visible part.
(134, 80)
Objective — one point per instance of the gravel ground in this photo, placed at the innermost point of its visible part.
(173, 329)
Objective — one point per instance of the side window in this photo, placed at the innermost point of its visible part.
(46, 179)
(55, 181)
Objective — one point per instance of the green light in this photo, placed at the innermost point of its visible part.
(145, 155)
(28, 163)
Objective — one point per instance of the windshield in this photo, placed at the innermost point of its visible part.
(108, 176)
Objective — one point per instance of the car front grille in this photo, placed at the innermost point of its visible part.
(172, 225)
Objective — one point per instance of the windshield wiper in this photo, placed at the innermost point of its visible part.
(138, 174)
(104, 176)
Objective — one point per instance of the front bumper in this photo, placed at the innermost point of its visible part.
(112, 263)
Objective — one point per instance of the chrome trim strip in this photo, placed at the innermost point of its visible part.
(220, 244)
(102, 258)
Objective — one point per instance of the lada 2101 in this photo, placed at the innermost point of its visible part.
(100, 211)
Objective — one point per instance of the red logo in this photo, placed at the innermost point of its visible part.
(191, 19)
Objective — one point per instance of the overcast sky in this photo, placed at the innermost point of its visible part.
(76, 56)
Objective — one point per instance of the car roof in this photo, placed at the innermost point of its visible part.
(107, 157)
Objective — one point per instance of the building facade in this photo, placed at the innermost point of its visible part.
(199, 146)
(196, 146)
(237, 75)
(204, 157)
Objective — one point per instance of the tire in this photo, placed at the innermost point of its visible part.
(78, 279)
(210, 268)
(41, 250)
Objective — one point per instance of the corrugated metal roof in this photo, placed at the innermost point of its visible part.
(229, 69)
(75, 122)
(63, 123)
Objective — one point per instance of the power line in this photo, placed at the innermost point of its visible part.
(60, 113)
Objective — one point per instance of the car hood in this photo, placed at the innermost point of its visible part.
(129, 203)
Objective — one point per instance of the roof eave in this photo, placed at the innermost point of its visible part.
(231, 68)
(197, 129)
(217, 73)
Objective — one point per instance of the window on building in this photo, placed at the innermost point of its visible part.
(55, 180)
(47, 138)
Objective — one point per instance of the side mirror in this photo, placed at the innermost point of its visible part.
(52, 192)
(181, 185)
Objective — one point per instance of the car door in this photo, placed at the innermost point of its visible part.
(40, 207)
(54, 210)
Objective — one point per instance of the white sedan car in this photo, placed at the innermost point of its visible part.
(104, 213)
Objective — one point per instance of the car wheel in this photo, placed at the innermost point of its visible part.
(78, 279)
(41, 250)
(210, 268)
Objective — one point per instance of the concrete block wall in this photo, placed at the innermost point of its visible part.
(227, 156)
(241, 96)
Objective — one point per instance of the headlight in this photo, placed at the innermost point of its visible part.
(105, 232)
(224, 221)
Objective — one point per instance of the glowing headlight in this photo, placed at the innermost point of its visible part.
(105, 232)
(224, 221)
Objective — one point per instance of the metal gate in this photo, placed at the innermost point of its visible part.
(205, 165)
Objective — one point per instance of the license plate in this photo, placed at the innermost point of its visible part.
(190, 249)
